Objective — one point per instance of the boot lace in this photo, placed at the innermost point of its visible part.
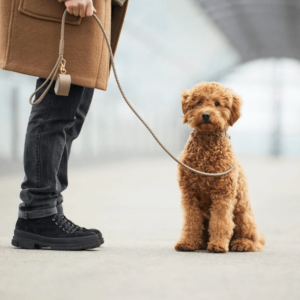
(64, 223)
(70, 222)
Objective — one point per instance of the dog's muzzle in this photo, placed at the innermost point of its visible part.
(206, 117)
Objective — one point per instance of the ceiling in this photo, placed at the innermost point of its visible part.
(258, 28)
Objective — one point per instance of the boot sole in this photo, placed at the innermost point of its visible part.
(27, 240)
(101, 240)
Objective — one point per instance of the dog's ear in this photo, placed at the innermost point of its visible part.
(184, 104)
(235, 111)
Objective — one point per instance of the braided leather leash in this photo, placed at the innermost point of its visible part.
(54, 73)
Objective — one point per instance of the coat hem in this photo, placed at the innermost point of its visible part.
(75, 80)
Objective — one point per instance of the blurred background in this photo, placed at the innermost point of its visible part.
(128, 181)
(252, 48)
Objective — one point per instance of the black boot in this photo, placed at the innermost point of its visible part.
(96, 231)
(54, 232)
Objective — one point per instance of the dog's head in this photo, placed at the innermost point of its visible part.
(209, 106)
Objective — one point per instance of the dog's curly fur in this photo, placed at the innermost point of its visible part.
(217, 210)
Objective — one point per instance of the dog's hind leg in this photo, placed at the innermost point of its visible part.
(246, 236)
(192, 237)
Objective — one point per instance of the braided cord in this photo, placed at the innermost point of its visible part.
(141, 119)
(54, 73)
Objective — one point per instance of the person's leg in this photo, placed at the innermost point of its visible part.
(71, 134)
(47, 144)
(39, 224)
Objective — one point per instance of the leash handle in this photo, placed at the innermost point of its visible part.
(58, 63)
(146, 125)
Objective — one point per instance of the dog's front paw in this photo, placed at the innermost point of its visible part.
(217, 247)
(185, 246)
(241, 245)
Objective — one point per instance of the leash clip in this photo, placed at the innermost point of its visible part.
(62, 67)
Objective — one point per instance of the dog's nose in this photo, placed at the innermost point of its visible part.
(205, 117)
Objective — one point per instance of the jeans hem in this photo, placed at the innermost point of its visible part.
(38, 213)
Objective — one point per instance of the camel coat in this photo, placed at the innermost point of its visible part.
(30, 36)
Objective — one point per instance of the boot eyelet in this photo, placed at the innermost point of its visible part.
(60, 226)
(67, 231)
(53, 220)
(63, 229)
(56, 223)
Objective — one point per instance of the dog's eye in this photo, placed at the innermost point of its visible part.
(200, 103)
(217, 103)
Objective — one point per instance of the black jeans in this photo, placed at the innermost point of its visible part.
(52, 127)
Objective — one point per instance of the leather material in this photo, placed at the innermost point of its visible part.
(62, 85)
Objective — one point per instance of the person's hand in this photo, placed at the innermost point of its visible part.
(82, 8)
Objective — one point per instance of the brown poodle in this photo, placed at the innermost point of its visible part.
(217, 210)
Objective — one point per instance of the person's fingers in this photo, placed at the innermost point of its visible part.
(70, 10)
(76, 11)
(89, 9)
(82, 10)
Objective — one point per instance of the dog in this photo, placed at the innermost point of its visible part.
(217, 211)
